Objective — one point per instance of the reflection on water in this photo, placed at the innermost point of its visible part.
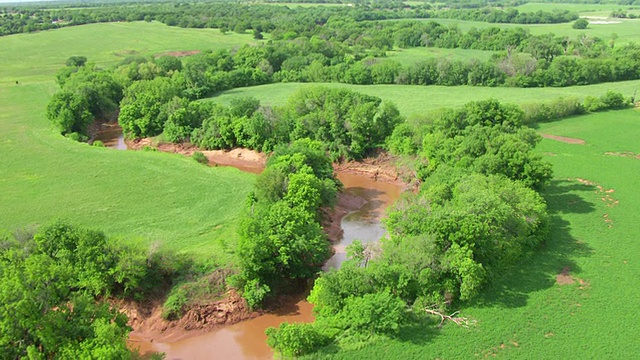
(111, 136)
(363, 224)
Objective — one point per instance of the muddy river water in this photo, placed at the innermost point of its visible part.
(247, 340)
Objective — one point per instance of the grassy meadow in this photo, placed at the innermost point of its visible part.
(582, 9)
(593, 201)
(416, 99)
(412, 55)
(628, 30)
(144, 196)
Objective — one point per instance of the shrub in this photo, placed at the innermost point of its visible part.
(174, 305)
(581, 24)
(98, 143)
(296, 339)
(200, 157)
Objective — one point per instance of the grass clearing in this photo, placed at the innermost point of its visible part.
(582, 9)
(413, 55)
(526, 314)
(417, 99)
(628, 30)
(147, 197)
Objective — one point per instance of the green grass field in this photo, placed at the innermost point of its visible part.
(37, 56)
(416, 99)
(412, 55)
(582, 9)
(526, 314)
(628, 30)
(148, 197)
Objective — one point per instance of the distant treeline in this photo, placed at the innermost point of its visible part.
(239, 17)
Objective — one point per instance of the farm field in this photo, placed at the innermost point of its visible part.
(416, 99)
(582, 9)
(144, 196)
(592, 251)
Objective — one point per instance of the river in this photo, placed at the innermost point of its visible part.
(247, 340)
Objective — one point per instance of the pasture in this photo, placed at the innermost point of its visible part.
(415, 99)
(627, 30)
(143, 196)
(413, 55)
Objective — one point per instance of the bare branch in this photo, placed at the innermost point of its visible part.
(458, 320)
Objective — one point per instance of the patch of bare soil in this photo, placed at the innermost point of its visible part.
(564, 278)
(605, 196)
(627, 154)
(564, 139)
(180, 53)
(381, 167)
(243, 159)
(149, 325)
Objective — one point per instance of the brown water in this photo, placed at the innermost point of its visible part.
(111, 136)
(247, 340)
(363, 224)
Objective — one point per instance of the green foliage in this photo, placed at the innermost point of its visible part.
(479, 225)
(486, 137)
(610, 100)
(143, 110)
(348, 124)
(297, 339)
(69, 112)
(200, 157)
(549, 111)
(580, 24)
(280, 236)
(76, 61)
(49, 288)
(378, 313)
(173, 307)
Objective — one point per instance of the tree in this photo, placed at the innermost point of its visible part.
(69, 112)
(580, 24)
(76, 61)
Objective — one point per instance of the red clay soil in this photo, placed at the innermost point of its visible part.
(564, 278)
(564, 139)
(148, 324)
(382, 167)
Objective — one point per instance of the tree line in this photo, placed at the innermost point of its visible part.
(242, 17)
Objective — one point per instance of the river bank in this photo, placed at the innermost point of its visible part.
(227, 328)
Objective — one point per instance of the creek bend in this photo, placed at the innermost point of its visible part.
(247, 340)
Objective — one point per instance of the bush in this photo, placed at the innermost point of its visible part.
(549, 111)
(200, 157)
(581, 24)
(98, 143)
(296, 339)
(174, 305)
